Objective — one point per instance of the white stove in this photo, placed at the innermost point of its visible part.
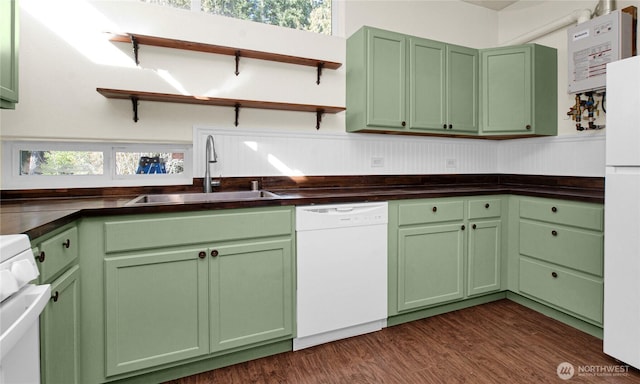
(20, 306)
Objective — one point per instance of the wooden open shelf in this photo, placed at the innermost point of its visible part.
(136, 39)
(136, 96)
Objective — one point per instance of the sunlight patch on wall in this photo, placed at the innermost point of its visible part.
(282, 167)
(166, 76)
(82, 27)
(252, 144)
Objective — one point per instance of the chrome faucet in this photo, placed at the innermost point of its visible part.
(210, 151)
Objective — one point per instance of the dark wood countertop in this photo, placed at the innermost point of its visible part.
(36, 214)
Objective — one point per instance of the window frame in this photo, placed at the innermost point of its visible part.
(336, 27)
(12, 179)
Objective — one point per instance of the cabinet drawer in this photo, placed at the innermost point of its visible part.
(573, 248)
(569, 290)
(151, 231)
(590, 217)
(430, 212)
(57, 253)
(479, 209)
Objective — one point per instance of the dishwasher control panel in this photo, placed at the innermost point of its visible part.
(341, 215)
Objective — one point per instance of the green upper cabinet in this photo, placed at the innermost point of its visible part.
(443, 86)
(376, 80)
(9, 13)
(402, 83)
(462, 89)
(519, 90)
(427, 82)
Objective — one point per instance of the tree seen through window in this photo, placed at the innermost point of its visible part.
(309, 15)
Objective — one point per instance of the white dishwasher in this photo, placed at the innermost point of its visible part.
(341, 271)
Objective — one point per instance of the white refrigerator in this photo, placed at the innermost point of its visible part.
(622, 213)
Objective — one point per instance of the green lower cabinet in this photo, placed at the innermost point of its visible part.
(578, 293)
(251, 293)
(60, 331)
(443, 251)
(484, 257)
(202, 289)
(430, 265)
(558, 257)
(156, 309)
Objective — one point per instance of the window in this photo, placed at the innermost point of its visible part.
(68, 165)
(308, 15)
(56, 163)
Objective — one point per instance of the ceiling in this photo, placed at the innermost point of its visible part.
(496, 5)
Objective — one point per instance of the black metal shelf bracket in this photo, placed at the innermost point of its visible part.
(237, 64)
(320, 66)
(237, 108)
(319, 118)
(134, 105)
(136, 46)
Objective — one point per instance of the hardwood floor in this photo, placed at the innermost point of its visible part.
(500, 342)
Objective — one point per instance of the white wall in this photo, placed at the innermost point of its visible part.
(65, 57)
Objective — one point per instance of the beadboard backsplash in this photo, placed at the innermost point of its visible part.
(269, 153)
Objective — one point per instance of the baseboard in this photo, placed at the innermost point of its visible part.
(434, 311)
(562, 317)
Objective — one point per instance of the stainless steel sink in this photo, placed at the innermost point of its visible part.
(186, 198)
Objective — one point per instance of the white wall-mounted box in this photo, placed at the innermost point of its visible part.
(592, 45)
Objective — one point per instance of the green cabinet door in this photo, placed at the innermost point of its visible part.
(376, 88)
(506, 90)
(9, 14)
(484, 257)
(427, 82)
(156, 309)
(462, 89)
(430, 265)
(386, 79)
(251, 293)
(60, 331)
(519, 90)
(443, 86)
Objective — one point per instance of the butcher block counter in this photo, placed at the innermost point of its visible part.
(36, 212)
